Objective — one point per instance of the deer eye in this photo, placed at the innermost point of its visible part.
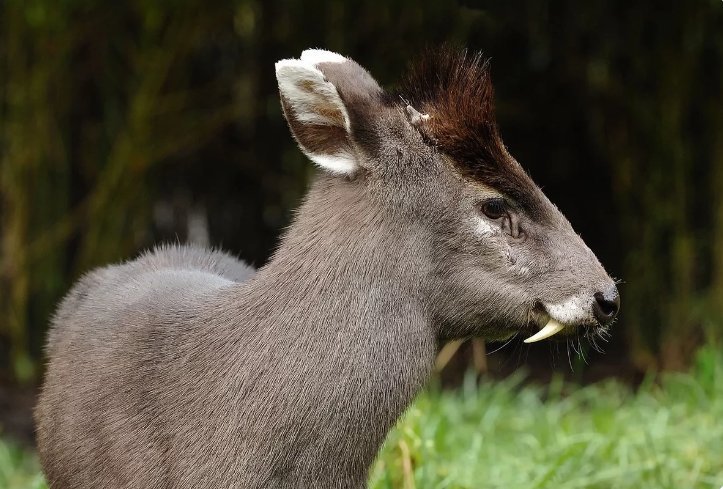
(494, 208)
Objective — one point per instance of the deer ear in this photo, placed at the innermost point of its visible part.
(316, 114)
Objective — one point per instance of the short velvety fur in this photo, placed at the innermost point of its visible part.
(185, 368)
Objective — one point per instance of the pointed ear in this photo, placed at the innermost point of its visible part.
(316, 114)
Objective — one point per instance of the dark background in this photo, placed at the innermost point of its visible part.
(123, 124)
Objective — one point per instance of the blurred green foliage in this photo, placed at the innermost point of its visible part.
(126, 123)
(667, 434)
(19, 468)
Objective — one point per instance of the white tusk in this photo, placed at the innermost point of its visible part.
(552, 327)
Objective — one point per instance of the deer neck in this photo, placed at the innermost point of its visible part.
(348, 281)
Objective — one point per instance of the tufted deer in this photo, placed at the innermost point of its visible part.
(185, 368)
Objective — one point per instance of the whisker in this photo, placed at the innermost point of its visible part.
(582, 351)
(504, 344)
(593, 342)
(569, 358)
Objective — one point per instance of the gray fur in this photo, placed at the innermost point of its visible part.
(185, 369)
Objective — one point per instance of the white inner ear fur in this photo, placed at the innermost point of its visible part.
(342, 164)
(316, 56)
(308, 92)
(314, 100)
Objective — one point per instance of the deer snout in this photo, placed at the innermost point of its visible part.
(606, 305)
(579, 310)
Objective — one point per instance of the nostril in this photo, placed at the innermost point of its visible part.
(606, 308)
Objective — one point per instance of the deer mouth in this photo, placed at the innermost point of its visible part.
(551, 326)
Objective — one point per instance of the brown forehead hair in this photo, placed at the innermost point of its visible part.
(455, 89)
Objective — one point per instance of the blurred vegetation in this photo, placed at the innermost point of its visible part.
(666, 435)
(126, 123)
(19, 467)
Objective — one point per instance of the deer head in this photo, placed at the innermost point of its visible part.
(502, 258)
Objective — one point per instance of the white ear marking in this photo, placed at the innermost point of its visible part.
(343, 163)
(316, 56)
(292, 75)
(315, 101)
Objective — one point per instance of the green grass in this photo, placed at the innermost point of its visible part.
(667, 434)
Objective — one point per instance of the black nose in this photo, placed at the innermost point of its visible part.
(606, 306)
